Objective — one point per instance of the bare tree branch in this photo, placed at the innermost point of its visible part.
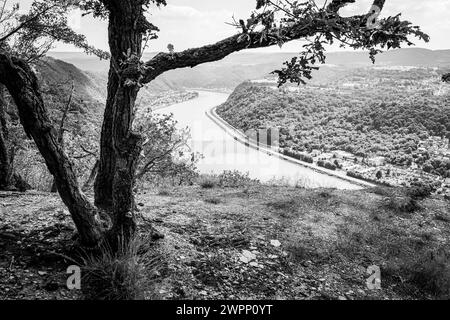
(66, 110)
(193, 57)
(25, 23)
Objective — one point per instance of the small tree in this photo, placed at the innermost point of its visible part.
(164, 150)
(446, 77)
(379, 175)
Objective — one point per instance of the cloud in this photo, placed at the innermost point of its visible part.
(186, 27)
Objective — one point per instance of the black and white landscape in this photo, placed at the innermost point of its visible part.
(135, 167)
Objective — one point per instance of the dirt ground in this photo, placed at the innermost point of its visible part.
(258, 242)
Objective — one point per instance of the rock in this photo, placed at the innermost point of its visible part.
(42, 273)
(275, 243)
(247, 256)
(307, 263)
(254, 264)
(342, 298)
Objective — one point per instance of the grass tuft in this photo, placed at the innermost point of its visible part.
(125, 275)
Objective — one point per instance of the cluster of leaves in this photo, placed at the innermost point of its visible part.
(280, 18)
(29, 36)
(165, 150)
(446, 77)
(235, 179)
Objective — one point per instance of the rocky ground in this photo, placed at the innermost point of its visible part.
(255, 242)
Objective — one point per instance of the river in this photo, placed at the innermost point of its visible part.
(222, 152)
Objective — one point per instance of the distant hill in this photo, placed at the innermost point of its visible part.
(88, 85)
(89, 90)
(239, 67)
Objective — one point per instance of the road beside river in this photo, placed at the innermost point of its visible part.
(222, 152)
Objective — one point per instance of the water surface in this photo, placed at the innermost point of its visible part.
(221, 152)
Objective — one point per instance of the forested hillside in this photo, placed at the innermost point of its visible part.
(389, 112)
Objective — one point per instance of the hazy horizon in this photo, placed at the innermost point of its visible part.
(281, 52)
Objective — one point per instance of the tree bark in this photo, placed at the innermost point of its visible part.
(61, 128)
(104, 179)
(90, 181)
(120, 146)
(5, 164)
(22, 84)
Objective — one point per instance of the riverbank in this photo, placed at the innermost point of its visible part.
(242, 138)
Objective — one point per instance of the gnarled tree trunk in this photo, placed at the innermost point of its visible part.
(22, 84)
(120, 146)
(5, 165)
(104, 178)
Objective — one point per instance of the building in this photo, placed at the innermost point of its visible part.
(376, 161)
(326, 156)
(447, 182)
(343, 155)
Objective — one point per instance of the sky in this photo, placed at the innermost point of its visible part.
(193, 23)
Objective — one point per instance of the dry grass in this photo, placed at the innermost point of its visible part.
(122, 275)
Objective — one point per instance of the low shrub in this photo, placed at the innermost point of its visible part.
(429, 271)
(297, 155)
(208, 181)
(420, 192)
(326, 164)
(402, 204)
(235, 179)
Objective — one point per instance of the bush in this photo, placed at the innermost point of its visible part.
(297, 155)
(326, 164)
(420, 192)
(208, 181)
(407, 200)
(402, 204)
(235, 179)
(429, 272)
